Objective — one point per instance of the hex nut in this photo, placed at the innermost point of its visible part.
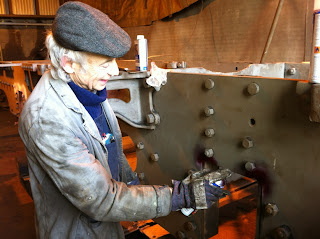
(155, 157)
(247, 142)
(156, 119)
(190, 226)
(209, 132)
(140, 145)
(249, 166)
(209, 84)
(271, 209)
(150, 118)
(292, 71)
(253, 88)
(208, 153)
(208, 111)
(283, 232)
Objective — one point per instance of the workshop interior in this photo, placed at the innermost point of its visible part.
(224, 86)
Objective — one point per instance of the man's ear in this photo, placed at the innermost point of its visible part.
(66, 64)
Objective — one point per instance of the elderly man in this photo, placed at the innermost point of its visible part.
(81, 182)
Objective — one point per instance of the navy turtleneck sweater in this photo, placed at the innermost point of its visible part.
(92, 103)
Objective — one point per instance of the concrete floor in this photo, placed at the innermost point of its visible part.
(16, 206)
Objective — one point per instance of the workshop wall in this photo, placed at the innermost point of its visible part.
(214, 33)
(22, 43)
(207, 33)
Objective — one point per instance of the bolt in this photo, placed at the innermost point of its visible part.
(208, 152)
(141, 176)
(156, 118)
(181, 235)
(140, 145)
(150, 118)
(283, 232)
(208, 111)
(190, 226)
(292, 71)
(253, 88)
(154, 157)
(209, 84)
(209, 132)
(271, 209)
(250, 166)
(247, 142)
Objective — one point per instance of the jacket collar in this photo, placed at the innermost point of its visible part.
(70, 100)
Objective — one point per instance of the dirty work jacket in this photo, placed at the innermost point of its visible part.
(73, 191)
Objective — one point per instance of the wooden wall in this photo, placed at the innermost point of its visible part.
(213, 33)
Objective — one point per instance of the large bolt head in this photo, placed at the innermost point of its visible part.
(253, 88)
(140, 145)
(249, 166)
(283, 232)
(150, 118)
(208, 152)
(247, 142)
(208, 111)
(155, 157)
(208, 84)
(209, 132)
(271, 209)
(190, 226)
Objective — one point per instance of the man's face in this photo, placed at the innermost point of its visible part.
(96, 74)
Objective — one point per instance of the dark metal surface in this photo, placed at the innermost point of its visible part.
(284, 142)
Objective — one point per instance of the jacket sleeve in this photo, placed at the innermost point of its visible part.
(85, 182)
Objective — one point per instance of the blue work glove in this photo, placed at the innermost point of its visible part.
(183, 196)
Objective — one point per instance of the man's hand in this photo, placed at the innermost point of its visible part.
(199, 190)
(183, 195)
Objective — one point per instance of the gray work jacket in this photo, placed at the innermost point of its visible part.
(73, 191)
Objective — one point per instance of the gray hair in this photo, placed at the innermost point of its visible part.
(56, 52)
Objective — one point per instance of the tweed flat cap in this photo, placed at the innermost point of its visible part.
(80, 27)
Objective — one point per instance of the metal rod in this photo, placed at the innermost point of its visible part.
(271, 33)
(24, 24)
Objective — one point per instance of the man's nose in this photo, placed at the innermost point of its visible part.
(113, 69)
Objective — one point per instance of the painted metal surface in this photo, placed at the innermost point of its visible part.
(261, 130)
(284, 142)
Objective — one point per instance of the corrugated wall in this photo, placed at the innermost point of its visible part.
(48, 7)
(23, 7)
